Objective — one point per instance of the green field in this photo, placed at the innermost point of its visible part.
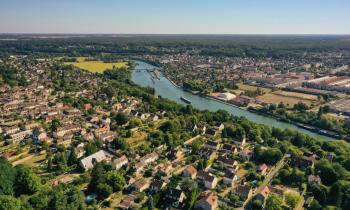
(96, 66)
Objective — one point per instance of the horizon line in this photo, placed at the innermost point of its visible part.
(225, 34)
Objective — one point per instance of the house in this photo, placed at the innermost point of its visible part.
(65, 140)
(153, 117)
(240, 140)
(157, 185)
(120, 162)
(213, 145)
(61, 131)
(207, 153)
(244, 191)
(41, 137)
(17, 137)
(313, 180)
(176, 154)
(90, 161)
(107, 137)
(209, 180)
(100, 131)
(229, 163)
(79, 150)
(277, 191)
(246, 153)
(175, 197)
(229, 149)
(192, 127)
(190, 171)
(303, 162)
(219, 126)
(211, 132)
(208, 201)
(32, 125)
(262, 169)
(262, 195)
(230, 179)
(86, 107)
(11, 130)
(166, 168)
(141, 185)
(149, 158)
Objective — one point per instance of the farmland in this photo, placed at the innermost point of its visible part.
(96, 66)
(276, 98)
(244, 87)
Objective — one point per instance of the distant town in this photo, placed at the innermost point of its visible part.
(78, 132)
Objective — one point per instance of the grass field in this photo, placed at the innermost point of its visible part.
(244, 87)
(96, 66)
(302, 96)
(287, 100)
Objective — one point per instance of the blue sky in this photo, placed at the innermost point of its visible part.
(176, 16)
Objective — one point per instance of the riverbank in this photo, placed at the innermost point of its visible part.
(300, 125)
(167, 89)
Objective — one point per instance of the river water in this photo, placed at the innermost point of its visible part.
(166, 89)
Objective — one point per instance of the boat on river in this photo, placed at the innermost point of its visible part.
(185, 100)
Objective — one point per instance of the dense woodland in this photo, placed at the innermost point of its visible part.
(273, 46)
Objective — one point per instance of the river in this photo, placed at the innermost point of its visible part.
(166, 89)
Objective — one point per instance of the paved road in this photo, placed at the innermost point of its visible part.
(267, 180)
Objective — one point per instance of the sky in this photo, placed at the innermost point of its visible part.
(176, 16)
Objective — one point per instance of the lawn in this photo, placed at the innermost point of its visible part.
(96, 66)
(272, 98)
(302, 96)
(137, 139)
(244, 87)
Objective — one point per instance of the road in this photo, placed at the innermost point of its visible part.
(267, 180)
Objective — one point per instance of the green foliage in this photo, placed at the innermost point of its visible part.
(121, 118)
(274, 202)
(116, 181)
(326, 171)
(291, 199)
(7, 177)
(8, 202)
(269, 156)
(27, 182)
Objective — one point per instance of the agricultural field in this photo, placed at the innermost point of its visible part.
(96, 66)
(243, 87)
(301, 96)
(272, 98)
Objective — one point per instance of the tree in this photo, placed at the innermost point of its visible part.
(335, 194)
(121, 118)
(119, 143)
(55, 124)
(292, 199)
(320, 192)
(7, 177)
(116, 181)
(8, 202)
(72, 158)
(98, 175)
(26, 181)
(270, 155)
(66, 197)
(256, 204)
(326, 171)
(103, 190)
(192, 197)
(274, 202)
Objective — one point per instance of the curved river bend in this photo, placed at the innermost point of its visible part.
(166, 89)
